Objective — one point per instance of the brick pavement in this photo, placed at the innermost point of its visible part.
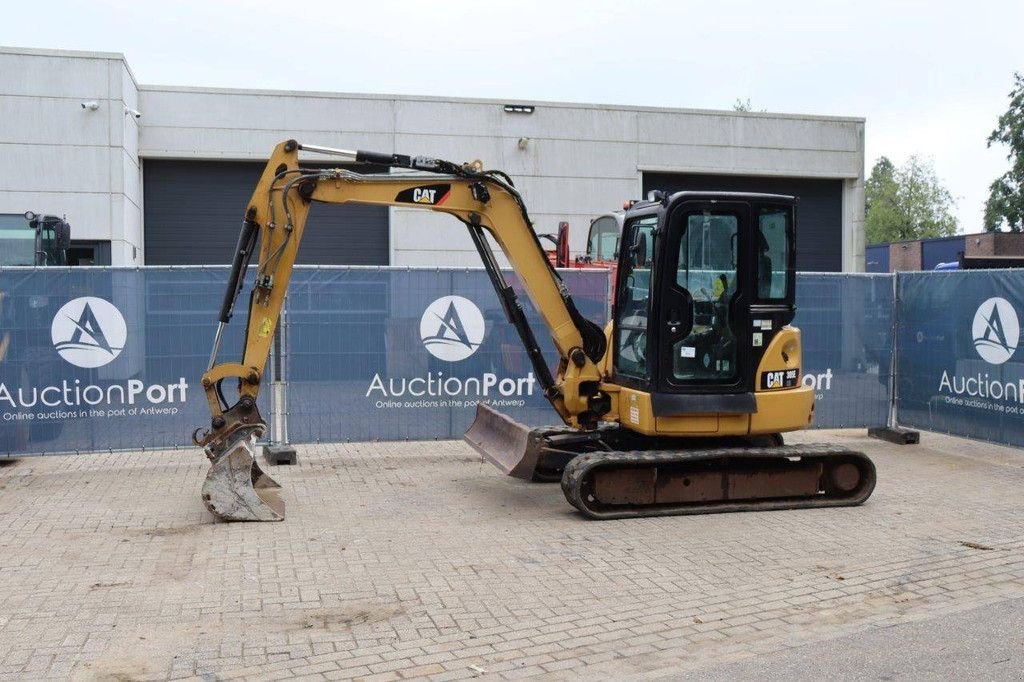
(404, 560)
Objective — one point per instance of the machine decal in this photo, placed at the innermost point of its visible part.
(431, 195)
(265, 325)
(995, 330)
(782, 378)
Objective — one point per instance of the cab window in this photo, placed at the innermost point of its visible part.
(634, 298)
(604, 239)
(773, 228)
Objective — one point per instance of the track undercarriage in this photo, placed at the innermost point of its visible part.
(614, 473)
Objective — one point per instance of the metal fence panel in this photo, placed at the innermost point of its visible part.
(390, 354)
(959, 368)
(106, 358)
(846, 328)
(371, 353)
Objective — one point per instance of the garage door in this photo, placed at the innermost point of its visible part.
(819, 241)
(193, 211)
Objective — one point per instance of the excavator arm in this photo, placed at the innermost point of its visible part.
(486, 202)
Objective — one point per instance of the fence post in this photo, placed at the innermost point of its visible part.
(279, 451)
(893, 362)
(892, 432)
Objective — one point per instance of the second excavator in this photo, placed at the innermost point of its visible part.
(676, 407)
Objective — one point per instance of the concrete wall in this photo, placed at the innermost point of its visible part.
(60, 158)
(577, 161)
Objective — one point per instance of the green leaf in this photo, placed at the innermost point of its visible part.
(1005, 205)
(907, 202)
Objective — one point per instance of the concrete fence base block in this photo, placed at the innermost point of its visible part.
(280, 454)
(896, 434)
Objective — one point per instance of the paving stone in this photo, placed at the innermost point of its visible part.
(402, 560)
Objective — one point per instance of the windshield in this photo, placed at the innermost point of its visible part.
(707, 271)
(17, 241)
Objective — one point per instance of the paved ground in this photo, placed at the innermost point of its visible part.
(416, 559)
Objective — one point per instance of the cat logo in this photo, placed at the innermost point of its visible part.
(430, 195)
(784, 378)
(422, 195)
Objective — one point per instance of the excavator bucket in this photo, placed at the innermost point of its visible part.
(503, 442)
(236, 489)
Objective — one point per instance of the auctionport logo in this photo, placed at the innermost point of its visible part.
(995, 330)
(89, 332)
(452, 328)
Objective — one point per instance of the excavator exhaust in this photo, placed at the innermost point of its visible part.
(236, 489)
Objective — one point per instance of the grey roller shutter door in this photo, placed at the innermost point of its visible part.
(819, 241)
(193, 210)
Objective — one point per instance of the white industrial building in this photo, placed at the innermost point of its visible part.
(150, 174)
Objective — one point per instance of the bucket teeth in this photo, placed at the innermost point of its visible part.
(236, 489)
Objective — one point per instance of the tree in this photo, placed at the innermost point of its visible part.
(745, 105)
(906, 202)
(1005, 205)
(740, 105)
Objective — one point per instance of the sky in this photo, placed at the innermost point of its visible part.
(931, 78)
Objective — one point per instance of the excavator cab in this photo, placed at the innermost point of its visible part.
(720, 262)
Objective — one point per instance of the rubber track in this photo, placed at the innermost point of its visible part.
(575, 476)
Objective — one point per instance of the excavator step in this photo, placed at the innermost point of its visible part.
(618, 485)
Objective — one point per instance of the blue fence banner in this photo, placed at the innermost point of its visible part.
(846, 330)
(960, 370)
(389, 353)
(96, 359)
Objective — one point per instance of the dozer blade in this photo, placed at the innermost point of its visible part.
(236, 489)
(503, 442)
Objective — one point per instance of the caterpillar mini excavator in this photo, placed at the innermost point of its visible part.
(675, 408)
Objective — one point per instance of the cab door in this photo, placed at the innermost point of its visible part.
(704, 299)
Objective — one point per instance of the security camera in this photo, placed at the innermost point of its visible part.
(132, 112)
(91, 105)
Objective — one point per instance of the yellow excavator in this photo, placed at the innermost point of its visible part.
(676, 407)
